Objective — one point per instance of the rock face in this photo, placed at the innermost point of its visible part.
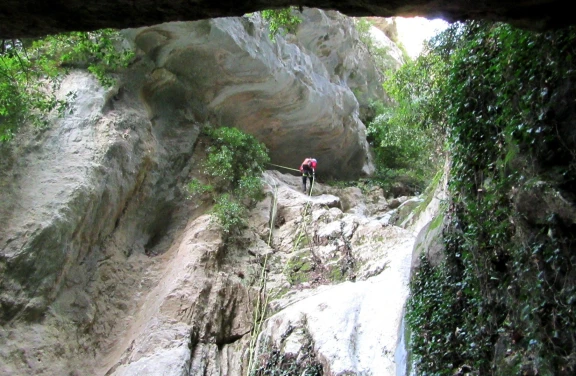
(197, 318)
(332, 37)
(189, 310)
(327, 272)
(107, 268)
(82, 204)
(352, 326)
(294, 97)
(37, 17)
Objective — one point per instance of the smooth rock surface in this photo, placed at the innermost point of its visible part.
(353, 326)
(289, 96)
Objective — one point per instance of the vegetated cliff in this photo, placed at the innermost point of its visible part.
(502, 302)
(95, 243)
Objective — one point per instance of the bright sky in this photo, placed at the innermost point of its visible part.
(413, 31)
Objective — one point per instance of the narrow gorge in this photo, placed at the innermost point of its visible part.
(153, 219)
(110, 267)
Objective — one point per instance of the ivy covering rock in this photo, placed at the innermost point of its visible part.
(503, 300)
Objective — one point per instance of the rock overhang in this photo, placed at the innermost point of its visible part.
(32, 18)
(227, 72)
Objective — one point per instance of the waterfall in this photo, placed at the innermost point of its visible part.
(402, 356)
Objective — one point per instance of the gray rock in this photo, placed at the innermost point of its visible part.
(333, 38)
(394, 203)
(229, 72)
(430, 242)
(405, 211)
(169, 362)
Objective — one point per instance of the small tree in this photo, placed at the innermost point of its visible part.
(234, 165)
(30, 71)
(284, 20)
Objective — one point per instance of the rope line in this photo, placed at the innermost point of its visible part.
(288, 168)
(260, 309)
(261, 306)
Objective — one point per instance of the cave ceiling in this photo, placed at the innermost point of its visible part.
(31, 18)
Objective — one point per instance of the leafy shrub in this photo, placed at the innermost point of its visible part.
(229, 213)
(398, 145)
(233, 167)
(30, 71)
(99, 52)
(233, 156)
(196, 188)
(250, 187)
(407, 136)
(284, 20)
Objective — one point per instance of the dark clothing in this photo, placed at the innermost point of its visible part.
(307, 173)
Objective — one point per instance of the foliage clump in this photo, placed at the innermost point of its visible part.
(281, 21)
(30, 71)
(503, 301)
(407, 136)
(233, 167)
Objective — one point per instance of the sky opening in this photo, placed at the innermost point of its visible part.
(412, 32)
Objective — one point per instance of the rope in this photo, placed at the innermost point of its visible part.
(261, 306)
(260, 310)
(287, 168)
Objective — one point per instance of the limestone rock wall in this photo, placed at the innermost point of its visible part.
(332, 37)
(82, 204)
(105, 266)
(323, 292)
(228, 72)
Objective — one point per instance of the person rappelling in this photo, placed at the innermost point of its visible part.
(308, 170)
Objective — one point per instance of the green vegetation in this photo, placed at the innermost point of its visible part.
(30, 71)
(336, 274)
(380, 54)
(429, 192)
(503, 301)
(407, 144)
(281, 21)
(437, 221)
(408, 136)
(234, 165)
(298, 268)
